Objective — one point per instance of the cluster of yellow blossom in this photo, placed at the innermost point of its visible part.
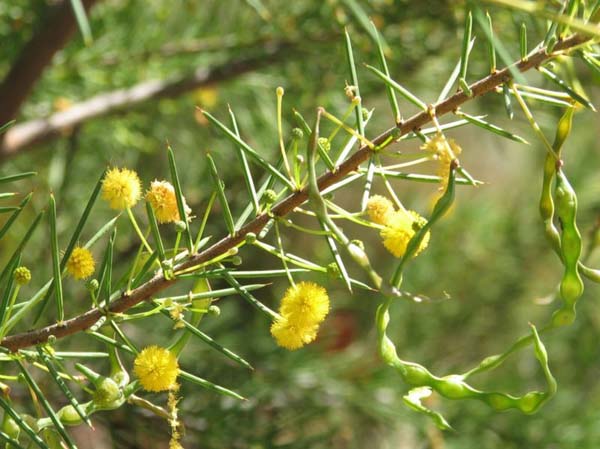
(161, 197)
(156, 368)
(122, 189)
(399, 226)
(445, 151)
(81, 264)
(303, 307)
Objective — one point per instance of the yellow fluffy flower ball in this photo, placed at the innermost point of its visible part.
(379, 208)
(156, 368)
(291, 335)
(400, 228)
(445, 150)
(121, 188)
(161, 197)
(81, 264)
(305, 303)
(303, 307)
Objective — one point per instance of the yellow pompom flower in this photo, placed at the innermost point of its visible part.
(445, 151)
(81, 264)
(379, 208)
(122, 188)
(305, 303)
(161, 197)
(156, 368)
(291, 335)
(303, 307)
(401, 227)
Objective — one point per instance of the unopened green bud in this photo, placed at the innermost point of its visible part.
(250, 238)
(92, 285)
(180, 226)
(333, 270)
(22, 275)
(214, 310)
(167, 265)
(300, 159)
(236, 260)
(297, 133)
(365, 114)
(270, 196)
(325, 144)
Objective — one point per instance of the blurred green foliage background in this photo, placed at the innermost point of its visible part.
(489, 256)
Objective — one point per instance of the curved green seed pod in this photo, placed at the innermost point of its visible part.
(546, 205)
(68, 416)
(10, 427)
(571, 286)
(454, 386)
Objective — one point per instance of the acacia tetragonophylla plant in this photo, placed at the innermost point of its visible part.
(279, 192)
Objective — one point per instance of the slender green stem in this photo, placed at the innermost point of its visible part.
(138, 230)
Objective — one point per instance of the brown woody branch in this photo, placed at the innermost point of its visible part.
(36, 56)
(159, 283)
(25, 135)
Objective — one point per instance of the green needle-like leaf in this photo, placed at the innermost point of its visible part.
(490, 127)
(251, 152)
(221, 194)
(82, 21)
(21, 246)
(62, 385)
(464, 56)
(246, 168)
(248, 297)
(46, 405)
(382, 62)
(160, 249)
(180, 200)
(398, 88)
(17, 177)
(568, 89)
(208, 340)
(22, 424)
(209, 385)
(60, 310)
(15, 215)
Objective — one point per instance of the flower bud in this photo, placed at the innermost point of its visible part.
(22, 275)
(333, 270)
(325, 144)
(297, 134)
(250, 238)
(92, 285)
(270, 196)
(214, 310)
